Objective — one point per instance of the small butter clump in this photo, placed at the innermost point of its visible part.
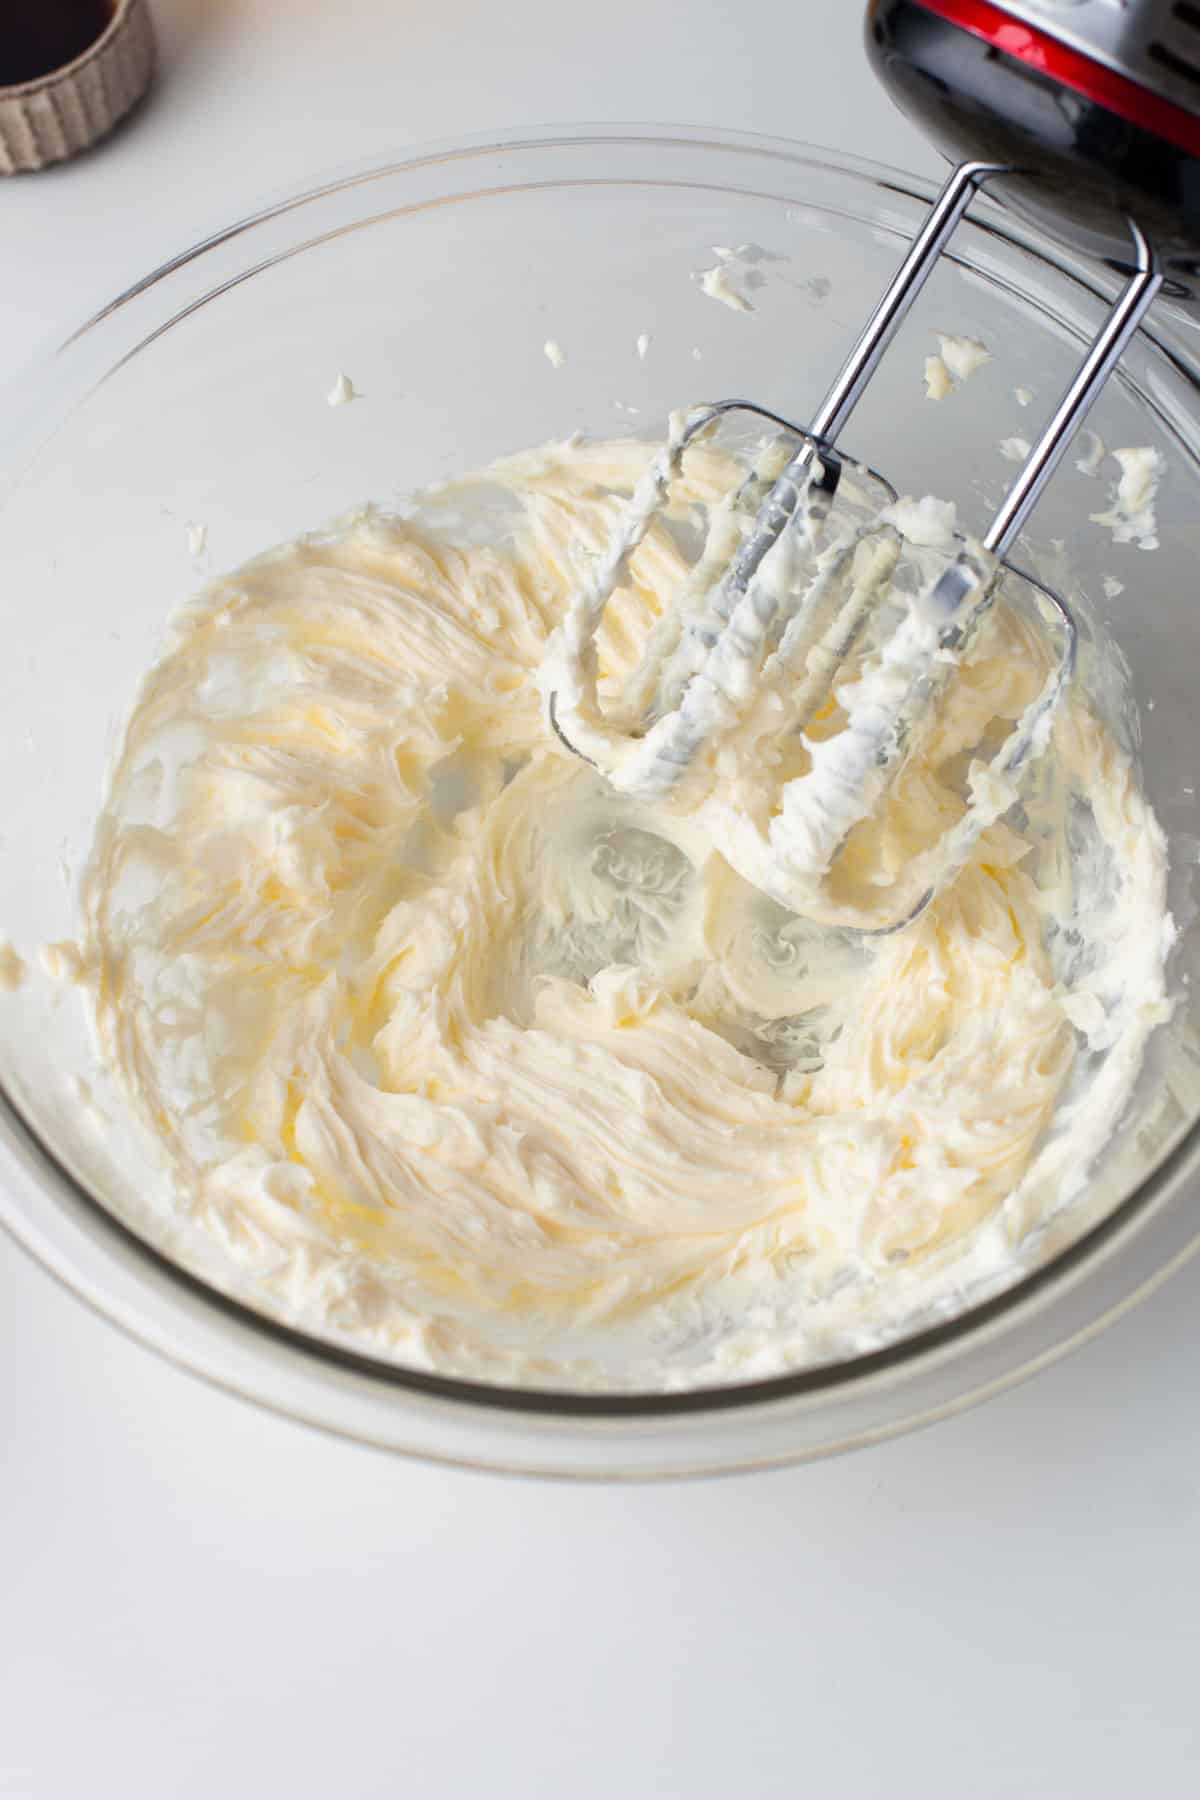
(1131, 517)
(12, 967)
(957, 361)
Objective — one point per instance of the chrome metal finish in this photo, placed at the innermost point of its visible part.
(1154, 42)
(1099, 363)
(894, 305)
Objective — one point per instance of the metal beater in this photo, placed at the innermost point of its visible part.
(1084, 120)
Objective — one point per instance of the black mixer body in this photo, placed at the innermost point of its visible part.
(1095, 104)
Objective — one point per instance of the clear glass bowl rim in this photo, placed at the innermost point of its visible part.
(1084, 1285)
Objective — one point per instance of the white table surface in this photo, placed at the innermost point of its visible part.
(197, 1598)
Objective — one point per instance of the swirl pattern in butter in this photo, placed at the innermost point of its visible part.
(470, 1062)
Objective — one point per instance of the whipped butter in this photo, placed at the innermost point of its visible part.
(473, 1062)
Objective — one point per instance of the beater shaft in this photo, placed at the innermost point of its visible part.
(852, 775)
(1106, 351)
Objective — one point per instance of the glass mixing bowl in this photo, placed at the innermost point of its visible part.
(199, 398)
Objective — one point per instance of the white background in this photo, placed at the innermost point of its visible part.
(199, 1599)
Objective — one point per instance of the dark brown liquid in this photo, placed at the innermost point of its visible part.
(39, 36)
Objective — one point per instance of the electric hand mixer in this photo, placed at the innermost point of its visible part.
(1085, 113)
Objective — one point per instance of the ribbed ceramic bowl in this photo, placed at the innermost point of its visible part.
(199, 397)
